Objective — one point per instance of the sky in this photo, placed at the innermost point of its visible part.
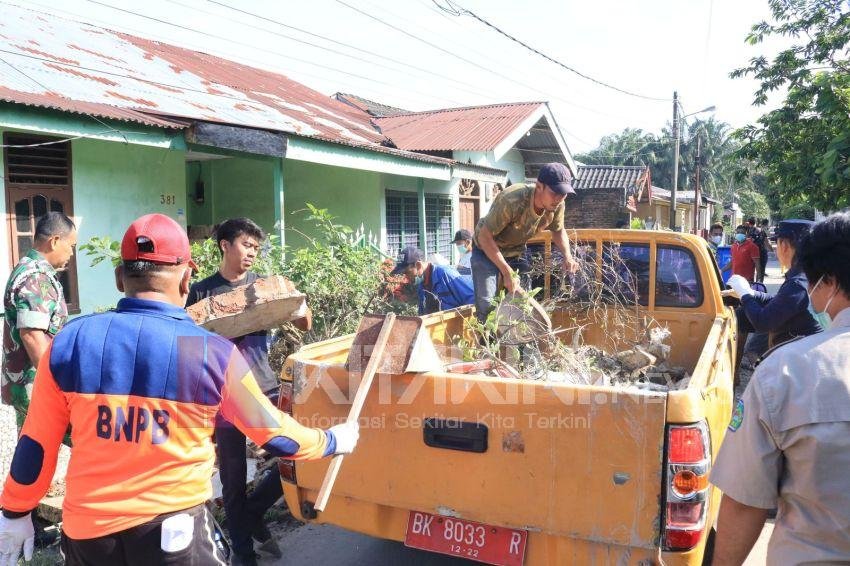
(413, 55)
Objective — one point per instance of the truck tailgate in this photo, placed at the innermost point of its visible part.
(575, 461)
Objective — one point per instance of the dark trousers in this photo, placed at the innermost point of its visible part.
(244, 512)
(485, 279)
(142, 545)
(762, 266)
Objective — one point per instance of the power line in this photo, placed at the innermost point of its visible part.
(62, 140)
(425, 41)
(324, 38)
(223, 38)
(459, 10)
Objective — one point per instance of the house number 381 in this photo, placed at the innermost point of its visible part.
(167, 199)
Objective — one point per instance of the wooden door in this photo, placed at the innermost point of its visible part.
(468, 213)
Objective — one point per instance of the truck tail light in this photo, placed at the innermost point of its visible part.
(284, 399)
(686, 480)
(284, 403)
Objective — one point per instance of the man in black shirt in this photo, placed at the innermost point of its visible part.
(239, 242)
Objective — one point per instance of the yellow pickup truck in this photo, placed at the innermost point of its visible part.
(518, 471)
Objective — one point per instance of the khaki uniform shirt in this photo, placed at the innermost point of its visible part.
(788, 446)
(513, 221)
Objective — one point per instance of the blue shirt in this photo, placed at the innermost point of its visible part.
(444, 288)
(784, 315)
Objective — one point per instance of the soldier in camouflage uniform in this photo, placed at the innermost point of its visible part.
(34, 307)
(517, 214)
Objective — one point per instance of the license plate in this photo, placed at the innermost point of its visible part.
(474, 541)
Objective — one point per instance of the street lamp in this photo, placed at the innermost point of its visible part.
(676, 155)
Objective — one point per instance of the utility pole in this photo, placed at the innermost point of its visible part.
(697, 196)
(675, 162)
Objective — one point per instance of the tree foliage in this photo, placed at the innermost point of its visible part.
(721, 164)
(753, 204)
(803, 146)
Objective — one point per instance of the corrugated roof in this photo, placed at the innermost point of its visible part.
(78, 67)
(630, 178)
(369, 106)
(476, 128)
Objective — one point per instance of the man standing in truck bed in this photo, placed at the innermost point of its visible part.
(518, 213)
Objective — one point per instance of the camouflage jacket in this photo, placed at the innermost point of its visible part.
(512, 219)
(33, 299)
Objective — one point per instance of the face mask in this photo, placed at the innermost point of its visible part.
(822, 318)
(418, 280)
(461, 249)
(716, 240)
(740, 238)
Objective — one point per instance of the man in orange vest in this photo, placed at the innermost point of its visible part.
(142, 387)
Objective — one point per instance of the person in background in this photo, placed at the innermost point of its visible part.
(463, 243)
(715, 237)
(440, 287)
(760, 238)
(745, 256)
(239, 241)
(788, 443)
(34, 308)
(785, 315)
(141, 387)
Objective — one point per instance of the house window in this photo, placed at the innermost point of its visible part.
(38, 180)
(438, 222)
(402, 223)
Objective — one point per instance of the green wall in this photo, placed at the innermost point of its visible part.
(5, 268)
(353, 196)
(243, 187)
(199, 213)
(115, 183)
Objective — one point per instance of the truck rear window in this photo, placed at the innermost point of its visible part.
(625, 271)
(677, 282)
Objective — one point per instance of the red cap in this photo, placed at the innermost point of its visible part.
(170, 242)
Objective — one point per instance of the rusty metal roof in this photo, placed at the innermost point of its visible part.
(476, 128)
(78, 67)
(631, 178)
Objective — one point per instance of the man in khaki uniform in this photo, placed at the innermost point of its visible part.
(788, 445)
(518, 213)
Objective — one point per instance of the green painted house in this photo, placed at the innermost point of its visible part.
(107, 127)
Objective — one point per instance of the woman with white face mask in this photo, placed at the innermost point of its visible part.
(788, 443)
(463, 243)
(785, 315)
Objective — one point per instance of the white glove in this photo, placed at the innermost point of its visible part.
(346, 435)
(14, 534)
(740, 286)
